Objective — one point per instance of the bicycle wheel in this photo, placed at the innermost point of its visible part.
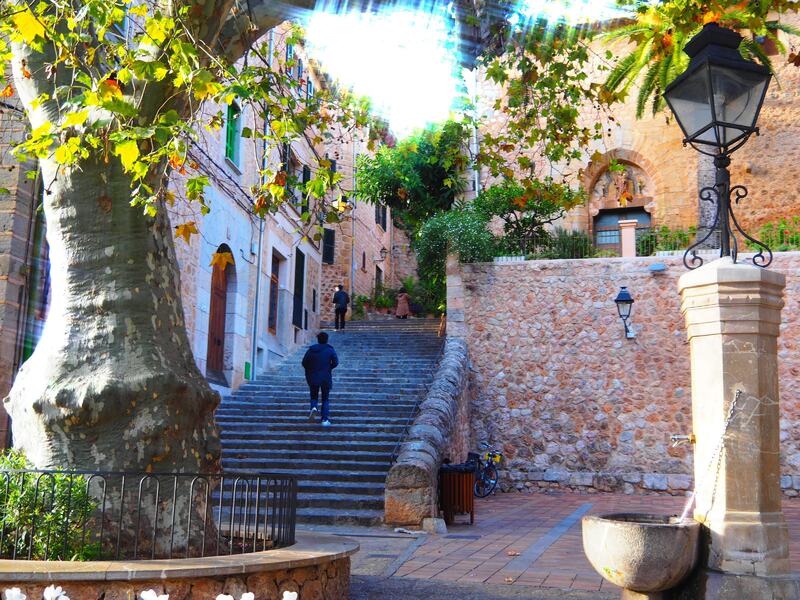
(486, 482)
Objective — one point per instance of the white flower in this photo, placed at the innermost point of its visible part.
(248, 596)
(289, 595)
(152, 595)
(14, 594)
(55, 593)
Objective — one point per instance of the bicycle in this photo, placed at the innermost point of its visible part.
(485, 469)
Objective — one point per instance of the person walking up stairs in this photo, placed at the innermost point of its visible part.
(319, 362)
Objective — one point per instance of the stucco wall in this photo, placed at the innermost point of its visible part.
(569, 399)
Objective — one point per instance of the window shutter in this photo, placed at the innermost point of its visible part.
(299, 69)
(303, 197)
(289, 51)
(383, 217)
(285, 158)
(309, 89)
(328, 246)
(377, 213)
(333, 166)
(232, 132)
(306, 174)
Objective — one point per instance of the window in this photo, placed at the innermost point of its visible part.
(314, 300)
(309, 89)
(299, 289)
(364, 261)
(272, 319)
(380, 215)
(299, 69)
(303, 199)
(328, 246)
(233, 133)
(289, 52)
(333, 165)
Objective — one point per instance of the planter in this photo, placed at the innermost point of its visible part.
(641, 553)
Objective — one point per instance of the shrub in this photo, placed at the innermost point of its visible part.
(564, 243)
(47, 511)
(780, 236)
(664, 239)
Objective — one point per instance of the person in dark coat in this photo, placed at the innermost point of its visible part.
(319, 362)
(340, 302)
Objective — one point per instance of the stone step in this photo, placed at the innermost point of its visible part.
(364, 421)
(310, 500)
(344, 409)
(317, 436)
(273, 462)
(295, 447)
(331, 454)
(304, 475)
(329, 516)
(391, 430)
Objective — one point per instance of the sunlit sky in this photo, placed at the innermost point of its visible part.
(404, 58)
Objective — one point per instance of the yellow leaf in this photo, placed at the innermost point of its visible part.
(128, 152)
(41, 130)
(170, 198)
(222, 259)
(186, 231)
(28, 26)
(108, 90)
(76, 118)
(138, 11)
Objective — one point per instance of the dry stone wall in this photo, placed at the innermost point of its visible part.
(570, 400)
(440, 432)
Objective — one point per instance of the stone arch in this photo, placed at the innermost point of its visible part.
(638, 168)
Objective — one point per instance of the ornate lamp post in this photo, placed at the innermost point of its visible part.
(716, 101)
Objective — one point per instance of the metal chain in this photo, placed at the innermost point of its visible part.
(718, 452)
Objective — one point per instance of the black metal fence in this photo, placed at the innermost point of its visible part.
(59, 515)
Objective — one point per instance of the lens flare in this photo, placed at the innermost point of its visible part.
(404, 55)
(404, 59)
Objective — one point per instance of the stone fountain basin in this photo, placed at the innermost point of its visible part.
(641, 552)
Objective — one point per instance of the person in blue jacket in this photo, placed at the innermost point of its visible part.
(319, 362)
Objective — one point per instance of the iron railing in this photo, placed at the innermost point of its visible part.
(83, 515)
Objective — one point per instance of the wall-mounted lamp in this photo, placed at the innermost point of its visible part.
(624, 302)
(384, 253)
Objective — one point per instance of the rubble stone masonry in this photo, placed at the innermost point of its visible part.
(571, 401)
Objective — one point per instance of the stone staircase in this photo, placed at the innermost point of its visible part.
(385, 367)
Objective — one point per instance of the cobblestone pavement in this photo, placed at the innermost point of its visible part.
(535, 540)
(400, 588)
(521, 546)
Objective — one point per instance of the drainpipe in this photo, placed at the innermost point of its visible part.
(476, 171)
(254, 343)
(353, 224)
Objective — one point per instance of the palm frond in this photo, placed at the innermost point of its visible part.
(647, 88)
(620, 71)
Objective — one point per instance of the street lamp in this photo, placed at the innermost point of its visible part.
(716, 102)
(383, 252)
(624, 302)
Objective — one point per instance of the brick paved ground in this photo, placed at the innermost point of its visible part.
(535, 540)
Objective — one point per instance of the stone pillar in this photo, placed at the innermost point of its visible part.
(733, 316)
(456, 324)
(627, 234)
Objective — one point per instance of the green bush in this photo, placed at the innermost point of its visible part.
(780, 236)
(664, 239)
(46, 520)
(564, 243)
(463, 232)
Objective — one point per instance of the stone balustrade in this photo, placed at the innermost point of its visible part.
(440, 431)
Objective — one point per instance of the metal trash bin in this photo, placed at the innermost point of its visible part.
(456, 491)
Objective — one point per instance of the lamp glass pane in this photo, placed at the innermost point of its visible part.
(691, 102)
(737, 99)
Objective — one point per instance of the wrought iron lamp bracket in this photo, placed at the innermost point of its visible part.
(730, 196)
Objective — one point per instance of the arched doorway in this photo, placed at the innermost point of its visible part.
(222, 282)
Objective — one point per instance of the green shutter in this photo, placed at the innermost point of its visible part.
(232, 133)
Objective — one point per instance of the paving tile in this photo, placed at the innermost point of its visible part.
(514, 526)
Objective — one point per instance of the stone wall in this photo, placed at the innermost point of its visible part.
(568, 398)
(440, 432)
(330, 580)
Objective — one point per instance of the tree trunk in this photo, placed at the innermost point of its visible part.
(112, 384)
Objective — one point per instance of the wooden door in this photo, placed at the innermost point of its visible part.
(216, 321)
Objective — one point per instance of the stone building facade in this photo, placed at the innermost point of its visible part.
(241, 317)
(571, 401)
(662, 178)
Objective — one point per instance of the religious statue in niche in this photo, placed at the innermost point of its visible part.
(618, 189)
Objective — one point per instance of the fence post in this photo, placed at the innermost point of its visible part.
(627, 235)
